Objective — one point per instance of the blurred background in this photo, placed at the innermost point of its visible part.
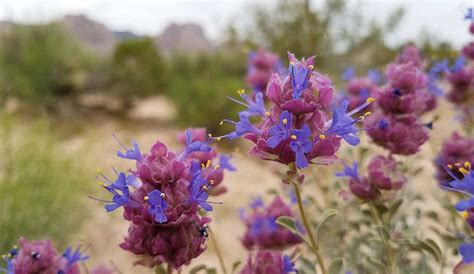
(74, 72)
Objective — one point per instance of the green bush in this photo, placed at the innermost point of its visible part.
(41, 64)
(200, 86)
(137, 68)
(42, 190)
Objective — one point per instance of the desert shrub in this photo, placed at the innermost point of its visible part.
(41, 64)
(200, 86)
(41, 188)
(138, 69)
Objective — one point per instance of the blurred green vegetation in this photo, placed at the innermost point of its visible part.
(137, 68)
(41, 64)
(199, 86)
(42, 189)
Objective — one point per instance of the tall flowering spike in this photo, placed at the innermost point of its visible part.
(38, 257)
(280, 131)
(158, 205)
(299, 78)
(343, 125)
(254, 107)
(262, 230)
(162, 196)
(130, 153)
(301, 144)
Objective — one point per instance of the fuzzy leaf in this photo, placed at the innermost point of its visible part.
(290, 224)
(235, 265)
(335, 266)
(328, 214)
(197, 268)
(160, 269)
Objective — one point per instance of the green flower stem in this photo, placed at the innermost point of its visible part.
(391, 256)
(314, 246)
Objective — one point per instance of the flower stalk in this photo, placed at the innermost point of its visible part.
(314, 245)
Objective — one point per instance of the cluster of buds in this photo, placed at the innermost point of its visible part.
(42, 257)
(395, 124)
(165, 196)
(269, 262)
(383, 174)
(261, 64)
(262, 230)
(299, 127)
(468, 50)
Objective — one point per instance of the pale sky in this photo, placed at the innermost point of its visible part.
(444, 18)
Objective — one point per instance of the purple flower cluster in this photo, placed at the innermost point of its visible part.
(261, 65)
(262, 229)
(395, 124)
(269, 262)
(163, 196)
(463, 184)
(42, 257)
(456, 149)
(383, 174)
(299, 127)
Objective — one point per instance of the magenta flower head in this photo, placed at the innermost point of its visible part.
(42, 257)
(461, 78)
(269, 262)
(165, 198)
(455, 150)
(383, 173)
(410, 54)
(405, 76)
(359, 186)
(402, 136)
(262, 230)
(303, 124)
(468, 50)
(261, 65)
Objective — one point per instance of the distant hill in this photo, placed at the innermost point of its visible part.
(99, 39)
(189, 38)
(94, 36)
(126, 35)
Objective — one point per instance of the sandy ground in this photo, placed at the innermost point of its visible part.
(102, 232)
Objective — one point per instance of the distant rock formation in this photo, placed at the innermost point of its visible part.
(98, 39)
(188, 38)
(92, 35)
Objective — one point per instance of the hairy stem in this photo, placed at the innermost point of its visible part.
(218, 252)
(307, 225)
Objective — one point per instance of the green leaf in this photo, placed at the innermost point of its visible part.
(211, 270)
(160, 269)
(235, 265)
(376, 262)
(433, 248)
(308, 265)
(335, 266)
(197, 268)
(394, 208)
(327, 214)
(290, 224)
